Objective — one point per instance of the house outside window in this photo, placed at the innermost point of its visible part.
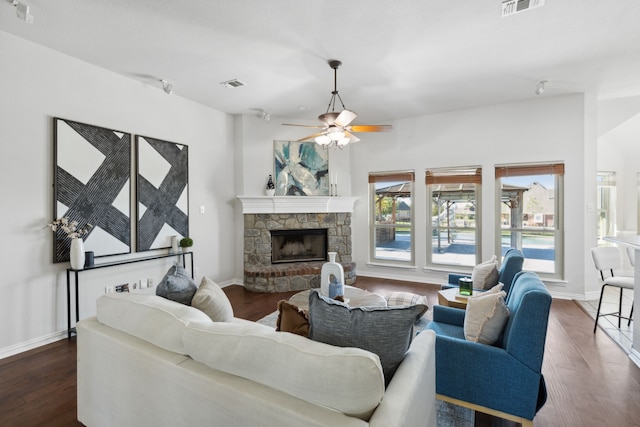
(455, 210)
(391, 202)
(531, 207)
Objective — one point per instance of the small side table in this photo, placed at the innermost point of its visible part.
(451, 298)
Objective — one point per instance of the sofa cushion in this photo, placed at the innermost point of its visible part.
(405, 298)
(211, 299)
(348, 380)
(149, 317)
(485, 275)
(385, 331)
(177, 285)
(292, 319)
(486, 316)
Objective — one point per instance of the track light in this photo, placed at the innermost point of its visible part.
(167, 87)
(540, 87)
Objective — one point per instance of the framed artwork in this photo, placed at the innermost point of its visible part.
(92, 185)
(301, 169)
(162, 192)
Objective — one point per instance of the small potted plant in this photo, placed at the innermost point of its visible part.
(186, 242)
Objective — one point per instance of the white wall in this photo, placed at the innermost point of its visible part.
(37, 84)
(545, 129)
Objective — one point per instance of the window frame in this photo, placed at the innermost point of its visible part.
(391, 176)
(557, 169)
(454, 175)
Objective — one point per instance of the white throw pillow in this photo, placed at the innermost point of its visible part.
(486, 316)
(485, 275)
(211, 299)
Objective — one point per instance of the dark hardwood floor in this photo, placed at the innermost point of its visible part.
(591, 382)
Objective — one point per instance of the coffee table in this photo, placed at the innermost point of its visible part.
(355, 297)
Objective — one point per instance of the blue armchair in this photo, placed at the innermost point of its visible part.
(506, 379)
(511, 265)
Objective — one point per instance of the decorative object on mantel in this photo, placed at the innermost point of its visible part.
(185, 243)
(336, 126)
(271, 187)
(92, 184)
(71, 229)
(331, 268)
(301, 169)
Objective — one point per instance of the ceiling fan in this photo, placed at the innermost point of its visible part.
(337, 131)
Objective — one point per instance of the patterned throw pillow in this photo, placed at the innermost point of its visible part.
(405, 298)
(177, 286)
(211, 299)
(385, 331)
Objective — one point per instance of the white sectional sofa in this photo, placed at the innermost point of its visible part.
(148, 361)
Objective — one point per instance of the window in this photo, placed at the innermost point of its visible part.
(531, 215)
(391, 196)
(606, 204)
(454, 198)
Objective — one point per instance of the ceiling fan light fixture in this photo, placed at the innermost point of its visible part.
(323, 140)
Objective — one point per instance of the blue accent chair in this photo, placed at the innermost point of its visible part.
(511, 265)
(504, 380)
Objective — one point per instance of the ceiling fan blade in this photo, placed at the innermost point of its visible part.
(303, 126)
(311, 136)
(352, 137)
(370, 128)
(345, 117)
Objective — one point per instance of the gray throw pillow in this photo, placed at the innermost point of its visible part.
(177, 285)
(385, 331)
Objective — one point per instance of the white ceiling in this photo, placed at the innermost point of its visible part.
(401, 58)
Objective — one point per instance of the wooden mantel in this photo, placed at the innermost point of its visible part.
(296, 204)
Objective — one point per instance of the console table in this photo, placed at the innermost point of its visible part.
(76, 273)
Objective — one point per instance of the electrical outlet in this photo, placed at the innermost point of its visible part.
(108, 289)
(149, 283)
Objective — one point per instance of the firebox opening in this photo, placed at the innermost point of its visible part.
(298, 245)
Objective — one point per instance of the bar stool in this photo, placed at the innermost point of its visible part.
(609, 258)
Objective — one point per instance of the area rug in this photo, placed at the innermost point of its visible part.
(449, 415)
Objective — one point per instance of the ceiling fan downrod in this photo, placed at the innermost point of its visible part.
(335, 64)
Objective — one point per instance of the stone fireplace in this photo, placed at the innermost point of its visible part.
(286, 240)
(299, 245)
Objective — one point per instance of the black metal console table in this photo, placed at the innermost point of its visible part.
(71, 330)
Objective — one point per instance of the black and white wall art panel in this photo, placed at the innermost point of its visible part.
(92, 185)
(162, 192)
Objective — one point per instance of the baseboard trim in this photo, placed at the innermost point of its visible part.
(31, 344)
(634, 355)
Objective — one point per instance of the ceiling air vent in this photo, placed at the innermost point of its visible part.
(511, 7)
(233, 83)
